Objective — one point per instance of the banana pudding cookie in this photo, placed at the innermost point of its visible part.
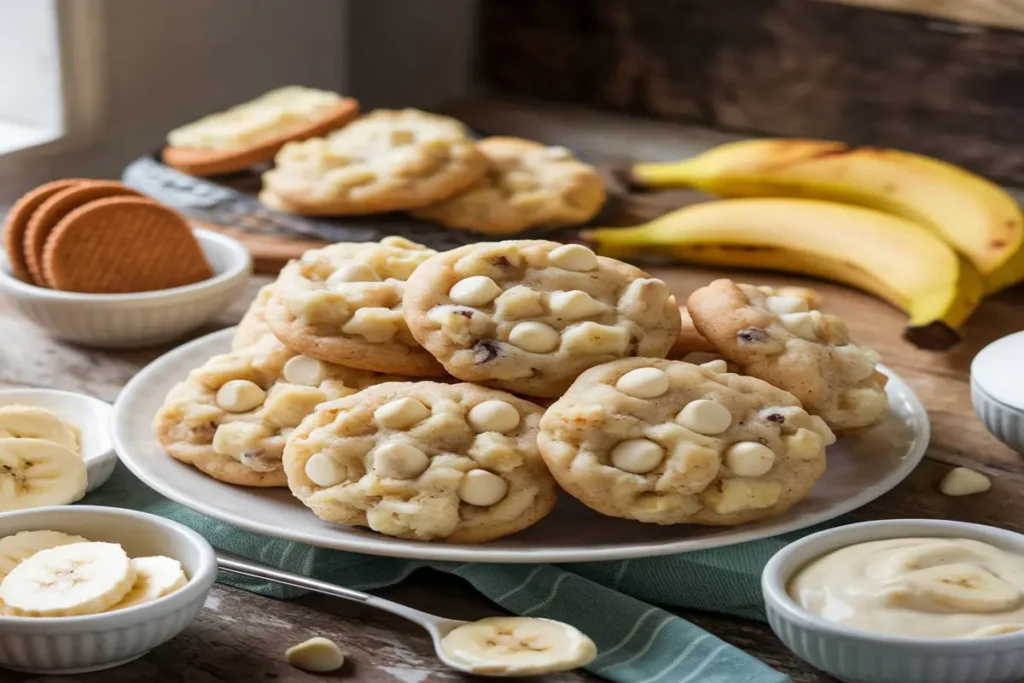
(343, 304)
(669, 442)
(529, 316)
(527, 185)
(231, 417)
(777, 338)
(253, 325)
(385, 161)
(425, 461)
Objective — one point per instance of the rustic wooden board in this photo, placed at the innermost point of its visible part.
(782, 67)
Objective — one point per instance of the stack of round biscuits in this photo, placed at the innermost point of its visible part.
(447, 396)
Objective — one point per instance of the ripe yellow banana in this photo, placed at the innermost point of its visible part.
(976, 217)
(898, 260)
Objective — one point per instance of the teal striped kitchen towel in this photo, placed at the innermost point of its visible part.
(612, 602)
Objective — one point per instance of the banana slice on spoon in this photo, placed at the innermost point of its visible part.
(38, 473)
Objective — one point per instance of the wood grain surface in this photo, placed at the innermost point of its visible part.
(1005, 13)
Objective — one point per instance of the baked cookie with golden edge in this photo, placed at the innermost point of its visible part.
(528, 316)
(343, 304)
(527, 185)
(16, 225)
(424, 461)
(253, 325)
(251, 133)
(231, 416)
(668, 442)
(778, 338)
(385, 161)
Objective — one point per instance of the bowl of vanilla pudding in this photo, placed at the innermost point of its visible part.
(902, 601)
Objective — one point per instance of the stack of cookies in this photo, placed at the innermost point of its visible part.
(329, 163)
(101, 237)
(447, 396)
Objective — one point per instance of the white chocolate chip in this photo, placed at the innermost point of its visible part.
(519, 302)
(323, 470)
(643, 383)
(700, 357)
(288, 404)
(733, 495)
(557, 153)
(638, 456)
(717, 366)
(477, 290)
(235, 438)
(482, 488)
(780, 305)
(240, 396)
(575, 304)
(351, 272)
(594, 338)
(305, 371)
(493, 416)
(800, 324)
(399, 461)
(705, 417)
(961, 481)
(376, 325)
(749, 459)
(821, 429)
(573, 257)
(804, 445)
(534, 337)
(316, 655)
(401, 413)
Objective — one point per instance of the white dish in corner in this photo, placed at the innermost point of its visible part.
(90, 416)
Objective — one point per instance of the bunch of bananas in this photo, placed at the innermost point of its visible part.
(926, 236)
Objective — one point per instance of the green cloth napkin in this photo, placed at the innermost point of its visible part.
(609, 601)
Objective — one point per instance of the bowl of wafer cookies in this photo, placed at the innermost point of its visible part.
(96, 263)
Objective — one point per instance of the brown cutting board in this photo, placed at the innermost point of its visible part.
(269, 252)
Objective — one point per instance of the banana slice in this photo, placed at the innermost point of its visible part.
(32, 422)
(962, 588)
(69, 580)
(518, 646)
(317, 655)
(36, 473)
(155, 577)
(18, 547)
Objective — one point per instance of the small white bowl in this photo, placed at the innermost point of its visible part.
(118, 321)
(90, 416)
(70, 645)
(996, 390)
(858, 656)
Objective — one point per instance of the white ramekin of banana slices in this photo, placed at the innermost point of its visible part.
(90, 588)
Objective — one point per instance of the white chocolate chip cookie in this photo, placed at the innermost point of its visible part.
(669, 442)
(529, 316)
(426, 461)
(777, 337)
(231, 417)
(385, 161)
(253, 326)
(343, 304)
(527, 185)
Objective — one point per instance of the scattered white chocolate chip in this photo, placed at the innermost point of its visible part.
(235, 438)
(594, 338)
(482, 488)
(240, 396)
(823, 430)
(733, 495)
(401, 413)
(705, 417)
(804, 445)
(575, 304)
(305, 371)
(700, 357)
(749, 459)
(477, 290)
(534, 337)
(375, 324)
(717, 366)
(780, 305)
(643, 383)
(323, 470)
(351, 272)
(961, 481)
(638, 456)
(399, 461)
(493, 416)
(316, 655)
(573, 257)
(800, 324)
(288, 404)
(519, 302)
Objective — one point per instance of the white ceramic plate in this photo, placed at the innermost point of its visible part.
(860, 470)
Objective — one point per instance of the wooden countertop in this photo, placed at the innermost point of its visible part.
(242, 637)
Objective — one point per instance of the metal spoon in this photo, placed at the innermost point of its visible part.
(437, 627)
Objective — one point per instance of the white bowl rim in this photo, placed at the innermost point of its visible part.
(241, 262)
(774, 584)
(40, 391)
(976, 386)
(192, 589)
